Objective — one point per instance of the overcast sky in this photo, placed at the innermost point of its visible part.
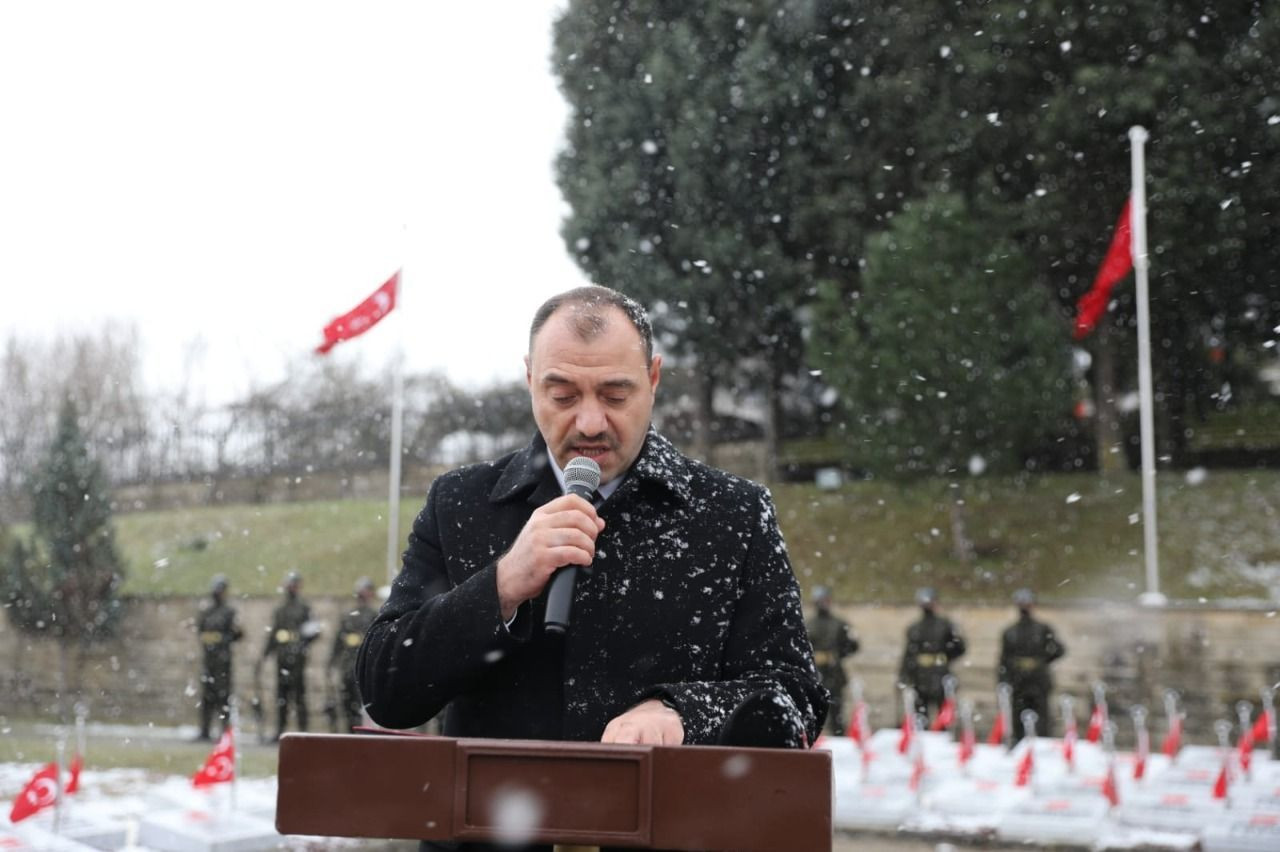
(230, 176)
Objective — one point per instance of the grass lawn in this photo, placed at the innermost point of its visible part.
(1070, 536)
(158, 750)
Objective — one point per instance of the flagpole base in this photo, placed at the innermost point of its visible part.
(1155, 600)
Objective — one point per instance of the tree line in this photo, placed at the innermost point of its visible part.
(324, 415)
(904, 202)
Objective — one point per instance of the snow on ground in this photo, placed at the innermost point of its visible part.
(1171, 807)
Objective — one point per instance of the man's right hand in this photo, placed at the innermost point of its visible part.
(563, 532)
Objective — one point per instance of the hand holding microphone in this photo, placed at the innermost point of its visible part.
(581, 477)
(561, 533)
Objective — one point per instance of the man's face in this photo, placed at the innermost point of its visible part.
(594, 398)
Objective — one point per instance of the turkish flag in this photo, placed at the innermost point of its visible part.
(1173, 739)
(966, 745)
(946, 715)
(220, 765)
(917, 771)
(73, 783)
(1096, 720)
(1116, 265)
(1224, 781)
(1069, 743)
(1246, 748)
(997, 730)
(1262, 727)
(363, 316)
(1109, 788)
(904, 742)
(1025, 766)
(858, 723)
(39, 793)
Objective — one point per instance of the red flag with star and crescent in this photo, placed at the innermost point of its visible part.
(1109, 788)
(1069, 737)
(73, 783)
(1115, 265)
(363, 316)
(946, 715)
(1096, 720)
(1026, 765)
(908, 727)
(1262, 727)
(967, 738)
(997, 730)
(858, 723)
(1223, 782)
(1173, 739)
(220, 766)
(38, 793)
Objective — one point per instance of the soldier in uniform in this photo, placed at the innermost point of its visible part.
(1026, 650)
(932, 643)
(288, 637)
(832, 642)
(216, 627)
(346, 642)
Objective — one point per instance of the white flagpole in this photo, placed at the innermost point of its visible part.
(397, 430)
(233, 724)
(1138, 223)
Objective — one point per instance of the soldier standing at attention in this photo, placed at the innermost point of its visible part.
(346, 642)
(1026, 650)
(832, 642)
(291, 631)
(217, 627)
(932, 643)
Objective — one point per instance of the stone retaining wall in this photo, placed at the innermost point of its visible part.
(1213, 656)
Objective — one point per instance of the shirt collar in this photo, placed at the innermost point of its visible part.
(604, 490)
(659, 463)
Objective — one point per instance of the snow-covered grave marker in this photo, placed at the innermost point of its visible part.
(1075, 818)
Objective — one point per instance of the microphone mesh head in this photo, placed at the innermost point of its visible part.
(581, 475)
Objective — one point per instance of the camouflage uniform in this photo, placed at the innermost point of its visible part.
(216, 628)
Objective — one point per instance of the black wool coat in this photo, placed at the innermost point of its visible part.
(691, 598)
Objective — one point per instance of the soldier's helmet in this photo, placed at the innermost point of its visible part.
(218, 583)
(1024, 598)
(820, 594)
(926, 596)
(364, 584)
(292, 579)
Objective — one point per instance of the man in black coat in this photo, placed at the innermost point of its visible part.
(690, 607)
(1027, 648)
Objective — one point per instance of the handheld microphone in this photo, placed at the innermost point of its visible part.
(581, 477)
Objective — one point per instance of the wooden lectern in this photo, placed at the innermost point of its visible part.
(440, 788)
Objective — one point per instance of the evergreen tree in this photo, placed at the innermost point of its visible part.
(727, 161)
(695, 173)
(64, 582)
(949, 353)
